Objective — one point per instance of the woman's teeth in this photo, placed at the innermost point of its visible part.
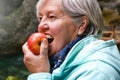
(50, 38)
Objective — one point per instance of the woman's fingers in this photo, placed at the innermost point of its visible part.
(25, 49)
(44, 48)
(37, 63)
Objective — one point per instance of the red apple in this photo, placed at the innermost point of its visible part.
(34, 42)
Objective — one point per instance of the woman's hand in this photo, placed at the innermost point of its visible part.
(37, 63)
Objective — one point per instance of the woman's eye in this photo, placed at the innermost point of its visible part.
(52, 17)
(39, 18)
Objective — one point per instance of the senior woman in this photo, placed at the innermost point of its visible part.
(76, 53)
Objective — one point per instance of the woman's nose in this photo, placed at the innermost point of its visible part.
(42, 27)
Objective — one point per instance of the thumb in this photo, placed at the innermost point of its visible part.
(44, 48)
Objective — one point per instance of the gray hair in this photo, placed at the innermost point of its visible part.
(78, 8)
(89, 8)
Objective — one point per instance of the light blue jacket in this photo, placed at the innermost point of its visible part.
(89, 59)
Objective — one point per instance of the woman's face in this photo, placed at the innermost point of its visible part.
(55, 23)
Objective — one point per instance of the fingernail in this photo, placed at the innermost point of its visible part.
(44, 41)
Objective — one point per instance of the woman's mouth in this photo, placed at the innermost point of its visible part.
(50, 38)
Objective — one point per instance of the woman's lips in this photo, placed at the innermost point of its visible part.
(50, 38)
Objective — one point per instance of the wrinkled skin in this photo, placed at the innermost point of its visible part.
(55, 22)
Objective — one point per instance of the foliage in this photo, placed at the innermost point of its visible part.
(12, 68)
(12, 78)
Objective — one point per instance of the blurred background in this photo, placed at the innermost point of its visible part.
(18, 21)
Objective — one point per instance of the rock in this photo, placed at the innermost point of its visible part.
(16, 25)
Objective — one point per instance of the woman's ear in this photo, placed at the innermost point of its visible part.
(84, 21)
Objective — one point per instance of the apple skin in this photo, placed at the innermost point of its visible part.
(34, 42)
